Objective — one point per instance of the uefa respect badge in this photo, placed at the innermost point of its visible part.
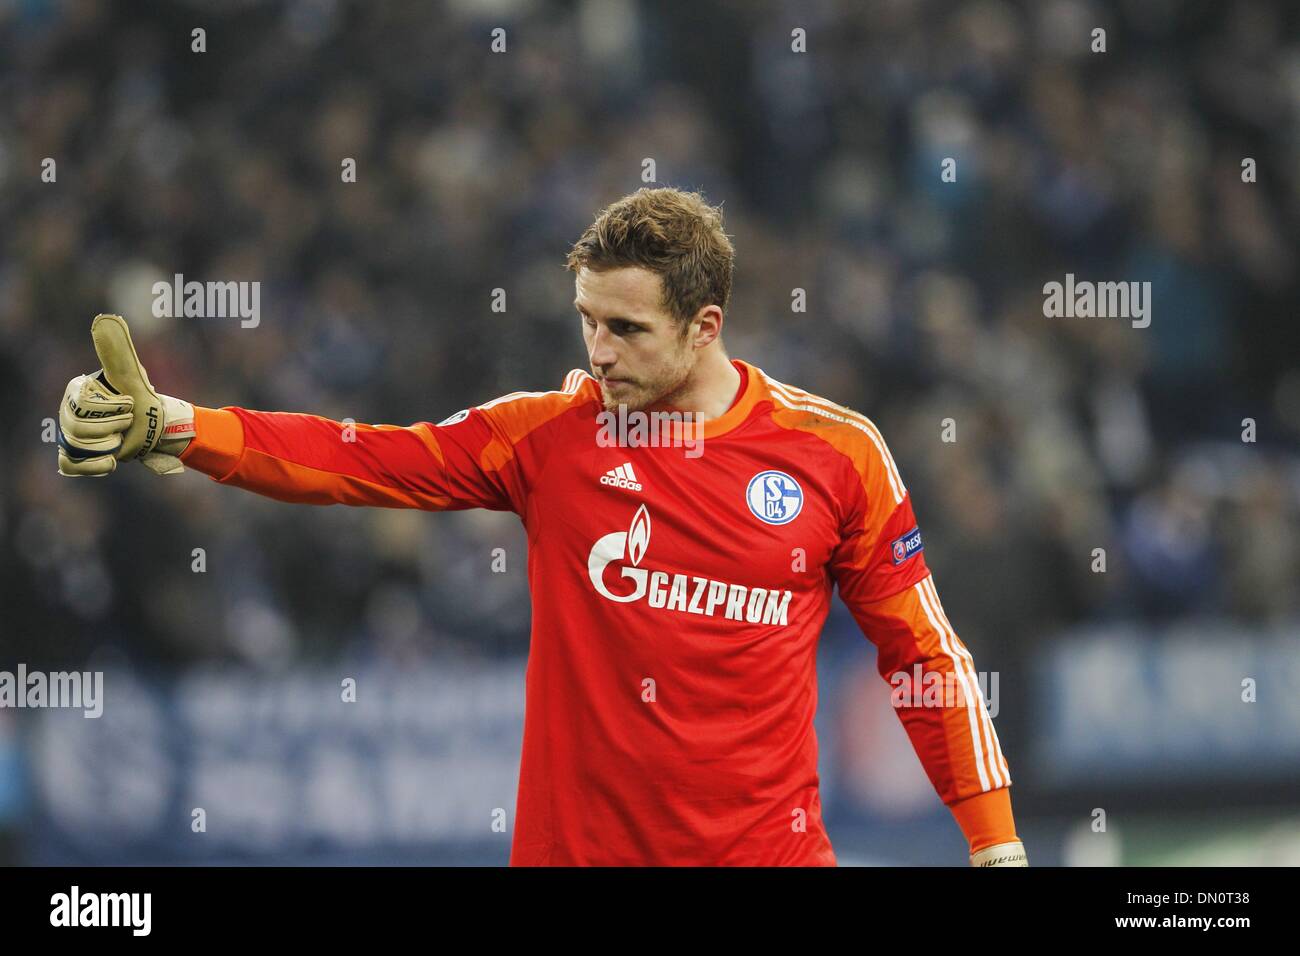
(906, 546)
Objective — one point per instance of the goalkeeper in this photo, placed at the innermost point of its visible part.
(671, 681)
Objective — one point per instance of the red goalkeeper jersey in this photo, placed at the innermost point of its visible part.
(678, 594)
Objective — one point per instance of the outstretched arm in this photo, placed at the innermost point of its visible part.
(314, 460)
(115, 414)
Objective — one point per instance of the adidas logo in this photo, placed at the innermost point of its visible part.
(621, 477)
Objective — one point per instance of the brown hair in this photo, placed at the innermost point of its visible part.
(670, 232)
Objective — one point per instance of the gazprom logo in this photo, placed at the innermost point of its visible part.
(774, 497)
(687, 593)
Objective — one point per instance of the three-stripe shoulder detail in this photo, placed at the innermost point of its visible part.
(575, 380)
(791, 397)
(573, 383)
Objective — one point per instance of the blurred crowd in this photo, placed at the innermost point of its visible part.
(476, 170)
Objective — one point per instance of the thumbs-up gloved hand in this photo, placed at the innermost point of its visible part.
(115, 414)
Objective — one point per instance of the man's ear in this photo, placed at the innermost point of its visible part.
(707, 321)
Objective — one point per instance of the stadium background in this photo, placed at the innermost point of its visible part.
(1119, 691)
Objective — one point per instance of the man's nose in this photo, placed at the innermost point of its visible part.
(602, 349)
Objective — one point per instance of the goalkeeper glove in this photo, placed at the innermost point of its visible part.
(1004, 854)
(115, 414)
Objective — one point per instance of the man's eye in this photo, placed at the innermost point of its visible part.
(618, 328)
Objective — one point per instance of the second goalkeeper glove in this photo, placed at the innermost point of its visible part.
(1004, 854)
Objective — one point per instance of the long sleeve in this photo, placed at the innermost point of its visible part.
(879, 567)
(468, 461)
(935, 689)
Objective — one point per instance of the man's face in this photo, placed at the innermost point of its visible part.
(636, 349)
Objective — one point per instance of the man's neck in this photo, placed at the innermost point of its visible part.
(710, 391)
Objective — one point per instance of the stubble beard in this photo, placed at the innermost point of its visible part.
(663, 390)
